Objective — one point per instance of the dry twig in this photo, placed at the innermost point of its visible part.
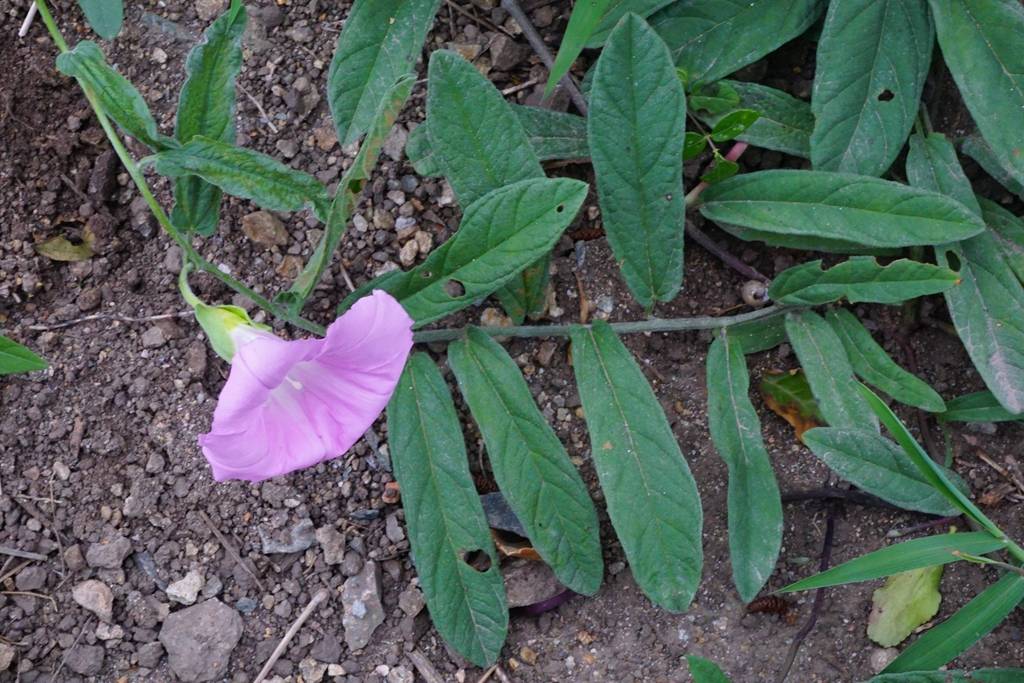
(424, 667)
(320, 596)
(231, 550)
(108, 316)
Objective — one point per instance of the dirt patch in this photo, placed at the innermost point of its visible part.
(99, 466)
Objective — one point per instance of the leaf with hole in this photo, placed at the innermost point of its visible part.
(788, 395)
(206, 106)
(981, 406)
(980, 42)
(906, 601)
(16, 358)
(971, 623)
(858, 279)
(754, 506)
(828, 371)
(120, 100)
(651, 496)
(530, 465)
(872, 364)
(379, 44)
(637, 124)
(444, 516)
(785, 123)
(876, 465)
(901, 557)
(104, 16)
(839, 206)
(704, 35)
(733, 124)
(872, 61)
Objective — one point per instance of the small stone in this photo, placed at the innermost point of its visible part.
(105, 631)
(332, 542)
(325, 137)
(153, 338)
(425, 240)
(411, 601)
(290, 267)
(468, 51)
(6, 656)
(395, 143)
(96, 597)
(199, 640)
(31, 578)
(288, 148)
(86, 660)
(89, 299)
(299, 537)
(209, 9)
(407, 254)
(150, 654)
(882, 657)
(546, 353)
(528, 655)
(108, 553)
(300, 34)
(327, 649)
(159, 56)
(73, 558)
(527, 582)
(493, 317)
(186, 590)
(364, 612)
(312, 671)
(393, 529)
(335, 670)
(61, 470)
(265, 229)
(400, 674)
(506, 53)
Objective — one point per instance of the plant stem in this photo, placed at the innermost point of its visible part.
(649, 325)
(978, 559)
(161, 216)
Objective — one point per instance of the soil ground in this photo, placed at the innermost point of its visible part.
(103, 444)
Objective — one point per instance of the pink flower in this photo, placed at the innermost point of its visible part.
(292, 404)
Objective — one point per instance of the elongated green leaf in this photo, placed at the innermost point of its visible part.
(805, 242)
(785, 124)
(987, 306)
(980, 41)
(529, 462)
(874, 366)
(651, 496)
(636, 124)
(618, 9)
(380, 43)
(703, 34)
(118, 97)
(980, 406)
(444, 516)
(705, 671)
(500, 235)
(839, 206)
(1008, 231)
(935, 475)
(828, 371)
(585, 18)
(16, 358)
(206, 107)
(873, 58)
(104, 16)
(920, 552)
(861, 278)
(971, 623)
(420, 153)
(349, 190)
(976, 676)
(976, 148)
(755, 509)
(874, 464)
(245, 173)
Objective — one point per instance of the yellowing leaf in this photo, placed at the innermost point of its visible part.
(788, 395)
(60, 248)
(905, 602)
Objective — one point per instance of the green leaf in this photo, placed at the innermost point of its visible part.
(873, 58)
(616, 10)
(715, 98)
(861, 278)
(444, 516)
(980, 41)
(755, 509)
(759, 335)
(920, 552)
(526, 294)
(935, 475)
(705, 35)
(874, 464)
(805, 242)
(976, 148)
(1008, 230)
(932, 165)
(651, 496)
(636, 124)
(705, 671)
(789, 396)
(785, 124)
(60, 248)
(245, 173)
(976, 676)
(874, 366)
(584, 20)
(206, 106)
(118, 97)
(500, 235)
(380, 43)
(693, 145)
(104, 16)
(906, 601)
(733, 124)
(971, 623)
(828, 371)
(839, 206)
(530, 464)
(980, 406)
(420, 153)
(722, 170)
(16, 358)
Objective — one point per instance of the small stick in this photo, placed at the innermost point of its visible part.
(29, 18)
(108, 316)
(522, 86)
(423, 665)
(31, 594)
(833, 493)
(704, 240)
(67, 652)
(1005, 473)
(923, 526)
(487, 674)
(541, 48)
(22, 554)
(260, 109)
(500, 674)
(230, 549)
(320, 596)
(479, 20)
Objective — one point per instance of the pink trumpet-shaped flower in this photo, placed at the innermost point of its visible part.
(292, 404)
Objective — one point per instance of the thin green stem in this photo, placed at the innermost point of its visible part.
(979, 559)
